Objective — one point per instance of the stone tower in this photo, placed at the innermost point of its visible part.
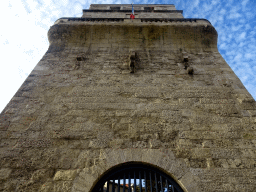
(113, 93)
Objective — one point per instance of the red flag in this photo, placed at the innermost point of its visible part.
(132, 15)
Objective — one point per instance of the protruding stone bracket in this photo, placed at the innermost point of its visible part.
(185, 60)
(189, 69)
(79, 58)
(132, 61)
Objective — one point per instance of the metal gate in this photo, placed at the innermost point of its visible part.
(136, 178)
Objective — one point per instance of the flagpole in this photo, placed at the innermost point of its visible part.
(132, 16)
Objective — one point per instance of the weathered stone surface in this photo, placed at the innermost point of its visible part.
(65, 175)
(81, 112)
(5, 173)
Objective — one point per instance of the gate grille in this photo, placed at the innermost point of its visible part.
(136, 178)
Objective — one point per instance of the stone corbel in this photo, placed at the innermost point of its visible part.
(132, 61)
(189, 69)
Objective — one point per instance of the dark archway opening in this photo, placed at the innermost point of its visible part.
(136, 177)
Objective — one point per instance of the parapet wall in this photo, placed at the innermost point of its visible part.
(125, 10)
(169, 34)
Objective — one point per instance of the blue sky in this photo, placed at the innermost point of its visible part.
(24, 26)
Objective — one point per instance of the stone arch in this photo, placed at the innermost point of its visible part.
(163, 159)
(135, 167)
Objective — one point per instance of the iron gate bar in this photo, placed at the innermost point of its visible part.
(140, 181)
(156, 182)
(107, 186)
(134, 181)
(145, 178)
(118, 190)
(124, 183)
(113, 186)
(129, 181)
(161, 183)
(151, 190)
(167, 184)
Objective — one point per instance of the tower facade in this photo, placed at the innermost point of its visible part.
(115, 96)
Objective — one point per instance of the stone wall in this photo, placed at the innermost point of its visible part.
(81, 112)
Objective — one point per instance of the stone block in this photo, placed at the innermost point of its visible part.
(225, 153)
(62, 186)
(47, 186)
(65, 175)
(190, 182)
(200, 153)
(5, 173)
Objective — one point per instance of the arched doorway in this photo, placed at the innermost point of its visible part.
(136, 177)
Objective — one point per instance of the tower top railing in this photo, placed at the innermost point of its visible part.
(159, 20)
